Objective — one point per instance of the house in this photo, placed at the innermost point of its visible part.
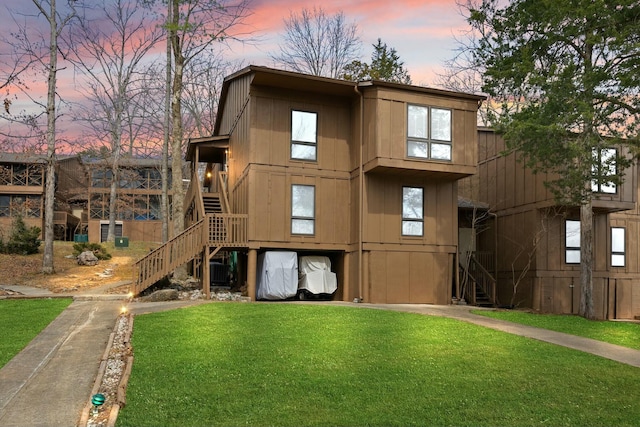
(363, 173)
(537, 241)
(22, 191)
(138, 206)
(81, 207)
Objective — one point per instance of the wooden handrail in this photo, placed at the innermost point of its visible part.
(479, 275)
(222, 179)
(171, 255)
(219, 230)
(228, 230)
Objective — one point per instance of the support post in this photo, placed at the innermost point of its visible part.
(252, 264)
(206, 273)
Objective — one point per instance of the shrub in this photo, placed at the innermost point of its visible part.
(23, 240)
(98, 250)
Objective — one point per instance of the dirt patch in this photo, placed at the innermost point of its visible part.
(69, 277)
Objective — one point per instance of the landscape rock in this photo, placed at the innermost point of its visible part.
(87, 258)
(161, 295)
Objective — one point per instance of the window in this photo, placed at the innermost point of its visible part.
(303, 201)
(572, 242)
(617, 247)
(303, 135)
(428, 132)
(604, 166)
(412, 211)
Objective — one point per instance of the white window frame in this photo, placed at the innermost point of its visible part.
(603, 167)
(411, 219)
(572, 241)
(302, 140)
(434, 141)
(302, 216)
(618, 246)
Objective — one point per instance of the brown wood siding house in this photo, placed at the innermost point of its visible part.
(138, 208)
(364, 173)
(538, 241)
(22, 191)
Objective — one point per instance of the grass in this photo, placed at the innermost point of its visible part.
(626, 334)
(312, 365)
(22, 320)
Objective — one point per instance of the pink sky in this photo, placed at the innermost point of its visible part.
(421, 31)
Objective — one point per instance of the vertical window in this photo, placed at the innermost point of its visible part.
(617, 247)
(303, 207)
(572, 242)
(428, 132)
(604, 165)
(303, 135)
(412, 211)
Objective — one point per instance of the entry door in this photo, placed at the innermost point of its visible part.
(104, 231)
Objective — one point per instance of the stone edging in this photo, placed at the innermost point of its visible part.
(113, 405)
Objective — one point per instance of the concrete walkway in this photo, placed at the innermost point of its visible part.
(50, 381)
(463, 313)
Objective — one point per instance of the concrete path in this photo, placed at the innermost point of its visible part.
(463, 313)
(50, 381)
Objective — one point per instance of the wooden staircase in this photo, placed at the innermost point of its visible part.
(212, 203)
(213, 230)
(479, 284)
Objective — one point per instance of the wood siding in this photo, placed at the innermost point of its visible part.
(526, 209)
(256, 114)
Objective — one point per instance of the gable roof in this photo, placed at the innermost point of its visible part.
(271, 77)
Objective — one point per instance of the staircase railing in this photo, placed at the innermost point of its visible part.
(171, 255)
(477, 275)
(223, 180)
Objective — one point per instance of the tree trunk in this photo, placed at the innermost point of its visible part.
(47, 259)
(177, 188)
(113, 197)
(586, 260)
(165, 143)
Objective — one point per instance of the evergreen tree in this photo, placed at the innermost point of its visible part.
(385, 65)
(572, 69)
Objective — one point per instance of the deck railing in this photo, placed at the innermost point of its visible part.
(228, 230)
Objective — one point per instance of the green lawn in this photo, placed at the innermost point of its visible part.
(626, 334)
(22, 319)
(233, 364)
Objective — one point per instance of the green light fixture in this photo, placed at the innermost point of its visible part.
(97, 400)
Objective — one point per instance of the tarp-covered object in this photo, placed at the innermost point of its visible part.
(316, 275)
(277, 275)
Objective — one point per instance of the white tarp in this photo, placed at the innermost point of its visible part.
(316, 276)
(277, 275)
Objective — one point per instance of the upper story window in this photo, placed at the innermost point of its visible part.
(304, 135)
(617, 247)
(303, 209)
(412, 211)
(428, 132)
(572, 241)
(604, 166)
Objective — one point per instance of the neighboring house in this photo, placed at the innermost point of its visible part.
(364, 173)
(82, 197)
(22, 191)
(138, 205)
(537, 241)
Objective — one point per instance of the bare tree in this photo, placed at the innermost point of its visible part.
(109, 48)
(203, 83)
(57, 23)
(193, 27)
(318, 44)
(462, 73)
